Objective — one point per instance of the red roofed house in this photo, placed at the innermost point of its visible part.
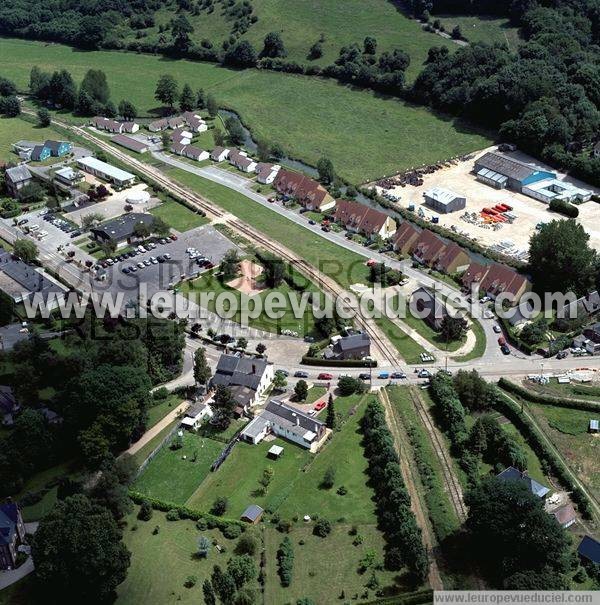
(502, 279)
(496, 279)
(473, 275)
(428, 248)
(362, 219)
(404, 238)
(308, 193)
(453, 260)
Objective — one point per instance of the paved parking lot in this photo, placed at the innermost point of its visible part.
(159, 277)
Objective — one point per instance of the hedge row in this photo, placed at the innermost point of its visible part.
(535, 439)
(411, 598)
(340, 363)
(185, 512)
(577, 404)
(565, 208)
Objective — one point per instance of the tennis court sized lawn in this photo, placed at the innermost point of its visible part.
(173, 475)
(178, 216)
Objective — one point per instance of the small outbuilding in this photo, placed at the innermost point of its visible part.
(275, 452)
(589, 550)
(444, 201)
(594, 426)
(253, 514)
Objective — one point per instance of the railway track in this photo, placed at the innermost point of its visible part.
(378, 337)
(418, 507)
(452, 484)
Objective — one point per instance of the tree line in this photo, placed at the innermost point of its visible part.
(404, 545)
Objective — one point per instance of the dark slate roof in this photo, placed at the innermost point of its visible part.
(239, 371)
(584, 306)
(291, 416)
(18, 174)
(54, 146)
(25, 275)
(354, 341)
(36, 153)
(253, 512)
(7, 399)
(514, 474)
(9, 514)
(123, 227)
(590, 549)
(195, 409)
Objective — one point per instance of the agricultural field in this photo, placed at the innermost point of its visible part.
(567, 428)
(15, 129)
(174, 474)
(161, 563)
(366, 135)
(302, 23)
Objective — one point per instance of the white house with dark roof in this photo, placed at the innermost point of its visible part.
(287, 422)
(514, 474)
(247, 378)
(196, 414)
(219, 154)
(266, 172)
(195, 153)
(241, 161)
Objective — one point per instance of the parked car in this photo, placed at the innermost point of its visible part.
(320, 406)
(398, 375)
(300, 374)
(502, 341)
(325, 376)
(364, 376)
(424, 373)
(383, 375)
(497, 329)
(284, 372)
(504, 348)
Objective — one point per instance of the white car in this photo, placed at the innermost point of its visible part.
(497, 329)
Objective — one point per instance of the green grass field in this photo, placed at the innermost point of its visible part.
(366, 135)
(301, 23)
(161, 563)
(169, 477)
(15, 129)
(178, 216)
(238, 477)
(324, 567)
(157, 412)
(483, 29)
(567, 430)
(343, 453)
(304, 326)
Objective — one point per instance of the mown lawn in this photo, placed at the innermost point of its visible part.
(238, 478)
(169, 477)
(15, 129)
(324, 567)
(366, 135)
(315, 393)
(178, 216)
(157, 412)
(161, 563)
(409, 349)
(343, 453)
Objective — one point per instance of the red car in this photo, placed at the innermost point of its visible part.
(325, 376)
(501, 341)
(320, 406)
(371, 262)
(173, 237)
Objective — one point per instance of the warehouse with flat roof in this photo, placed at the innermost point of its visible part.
(502, 172)
(443, 200)
(105, 171)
